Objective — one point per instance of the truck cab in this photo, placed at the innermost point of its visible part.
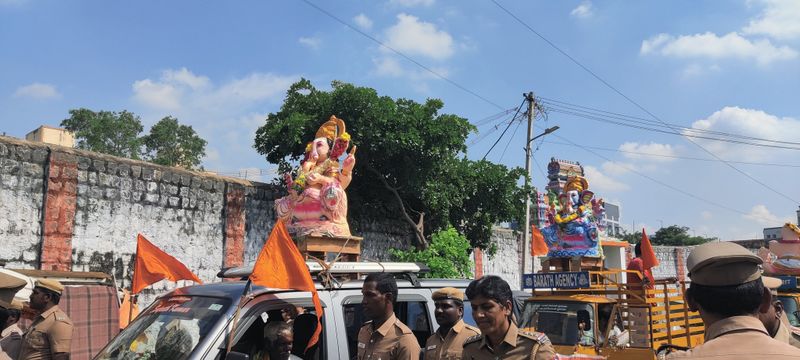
(593, 313)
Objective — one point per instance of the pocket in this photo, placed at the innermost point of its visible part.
(452, 355)
(36, 340)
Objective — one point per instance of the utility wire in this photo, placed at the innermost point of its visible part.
(637, 104)
(676, 156)
(435, 73)
(506, 129)
(509, 139)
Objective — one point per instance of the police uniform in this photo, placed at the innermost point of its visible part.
(784, 333)
(736, 337)
(392, 340)
(451, 345)
(10, 337)
(517, 345)
(51, 331)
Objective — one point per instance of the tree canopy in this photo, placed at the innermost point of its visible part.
(447, 256)
(410, 164)
(118, 133)
(172, 144)
(673, 235)
(107, 132)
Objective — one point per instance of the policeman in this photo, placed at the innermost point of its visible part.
(10, 333)
(50, 334)
(728, 291)
(448, 341)
(384, 337)
(490, 298)
(774, 319)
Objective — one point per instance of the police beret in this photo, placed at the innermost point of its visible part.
(448, 293)
(9, 285)
(772, 284)
(16, 305)
(50, 284)
(723, 264)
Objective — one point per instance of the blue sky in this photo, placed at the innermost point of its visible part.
(730, 67)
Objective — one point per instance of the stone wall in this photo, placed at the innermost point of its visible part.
(506, 261)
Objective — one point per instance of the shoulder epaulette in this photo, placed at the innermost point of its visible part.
(475, 329)
(535, 335)
(473, 339)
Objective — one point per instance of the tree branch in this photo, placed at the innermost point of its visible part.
(418, 227)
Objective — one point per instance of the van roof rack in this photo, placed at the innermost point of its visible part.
(338, 268)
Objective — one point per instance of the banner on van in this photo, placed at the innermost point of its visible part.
(560, 280)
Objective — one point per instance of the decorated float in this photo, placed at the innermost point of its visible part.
(315, 210)
(783, 255)
(574, 219)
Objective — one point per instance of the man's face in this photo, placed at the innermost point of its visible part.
(772, 316)
(448, 312)
(38, 299)
(374, 302)
(283, 345)
(491, 317)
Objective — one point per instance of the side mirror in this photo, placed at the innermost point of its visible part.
(234, 355)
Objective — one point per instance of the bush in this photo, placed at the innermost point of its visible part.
(447, 256)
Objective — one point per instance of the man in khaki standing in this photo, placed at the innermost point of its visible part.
(491, 301)
(728, 291)
(448, 341)
(774, 319)
(384, 337)
(10, 333)
(50, 334)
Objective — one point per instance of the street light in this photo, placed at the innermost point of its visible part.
(528, 155)
(546, 131)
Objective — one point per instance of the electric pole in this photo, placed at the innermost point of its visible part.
(527, 228)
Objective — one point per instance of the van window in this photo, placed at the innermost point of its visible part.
(412, 313)
(170, 329)
(565, 323)
(275, 316)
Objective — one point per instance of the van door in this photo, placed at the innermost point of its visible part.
(413, 308)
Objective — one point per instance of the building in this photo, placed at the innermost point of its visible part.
(52, 135)
(774, 233)
(558, 171)
(613, 228)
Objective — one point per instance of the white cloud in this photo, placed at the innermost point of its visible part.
(388, 66)
(615, 168)
(711, 46)
(185, 77)
(415, 37)
(157, 94)
(706, 215)
(412, 3)
(750, 122)
(780, 20)
(601, 183)
(312, 42)
(363, 21)
(37, 91)
(763, 216)
(584, 10)
(654, 151)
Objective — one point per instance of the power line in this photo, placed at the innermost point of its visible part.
(506, 129)
(509, 140)
(638, 105)
(676, 156)
(435, 73)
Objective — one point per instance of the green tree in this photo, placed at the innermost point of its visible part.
(113, 133)
(447, 256)
(172, 144)
(675, 235)
(632, 238)
(410, 161)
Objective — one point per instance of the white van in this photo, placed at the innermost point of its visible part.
(195, 322)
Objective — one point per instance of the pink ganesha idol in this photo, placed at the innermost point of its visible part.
(783, 256)
(317, 202)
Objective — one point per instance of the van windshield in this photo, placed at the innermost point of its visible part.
(169, 330)
(560, 321)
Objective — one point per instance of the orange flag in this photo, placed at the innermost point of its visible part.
(538, 246)
(154, 265)
(280, 266)
(127, 311)
(649, 259)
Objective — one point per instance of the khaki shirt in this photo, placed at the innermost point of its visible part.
(50, 333)
(739, 337)
(393, 340)
(517, 345)
(452, 345)
(10, 342)
(785, 335)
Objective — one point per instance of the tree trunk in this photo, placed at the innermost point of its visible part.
(419, 227)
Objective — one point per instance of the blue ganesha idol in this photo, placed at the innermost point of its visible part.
(575, 220)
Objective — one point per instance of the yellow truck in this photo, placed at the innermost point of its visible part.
(597, 315)
(789, 295)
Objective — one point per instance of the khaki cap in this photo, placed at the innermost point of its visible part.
(9, 285)
(16, 305)
(448, 293)
(50, 284)
(772, 284)
(723, 264)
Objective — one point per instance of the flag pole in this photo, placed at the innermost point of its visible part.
(132, 301)
(245, 292)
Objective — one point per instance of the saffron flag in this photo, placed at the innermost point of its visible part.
(649, 259)
(281, 266)
(538, 246)
(153, 265)
(127, 311)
